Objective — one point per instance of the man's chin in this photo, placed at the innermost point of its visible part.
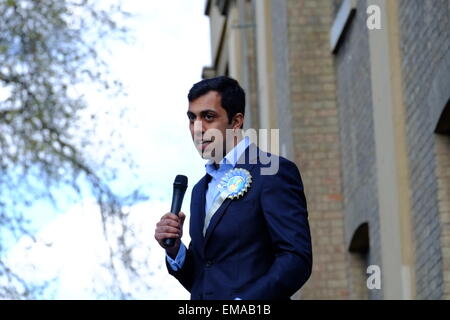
(209, 154)
(206, 155)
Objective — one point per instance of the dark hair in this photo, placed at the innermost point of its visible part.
(232, 96)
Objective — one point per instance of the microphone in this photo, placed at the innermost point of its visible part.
(179, 188)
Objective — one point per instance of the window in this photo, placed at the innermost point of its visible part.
(343, 17)
(443, 125)
(359, 254)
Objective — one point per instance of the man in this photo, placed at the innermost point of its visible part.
(250, 236)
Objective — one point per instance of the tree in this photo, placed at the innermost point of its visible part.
(48, 50)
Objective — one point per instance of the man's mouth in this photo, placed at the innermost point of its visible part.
(203, 142)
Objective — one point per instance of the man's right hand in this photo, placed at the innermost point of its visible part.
(170, 226)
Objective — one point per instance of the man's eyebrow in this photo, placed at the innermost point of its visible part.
(190, 114)
(202, 113)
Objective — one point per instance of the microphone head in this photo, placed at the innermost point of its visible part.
(181, 182)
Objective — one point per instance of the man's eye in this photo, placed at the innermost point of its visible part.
(209, 117)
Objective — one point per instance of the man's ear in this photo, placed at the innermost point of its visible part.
(238, 121)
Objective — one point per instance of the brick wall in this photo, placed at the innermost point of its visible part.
(315, 128)
(424, 41)
(324, 109)
(443, 180)
(357, 268)
(357, 135)
(252, 91)
(281, 70)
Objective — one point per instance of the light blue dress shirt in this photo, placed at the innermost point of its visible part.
(227, 163)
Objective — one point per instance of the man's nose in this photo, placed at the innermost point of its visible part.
(198, 128)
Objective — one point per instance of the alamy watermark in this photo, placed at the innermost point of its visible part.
(373, 21)
(374, 279)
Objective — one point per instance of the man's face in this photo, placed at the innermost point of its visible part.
(208, 122)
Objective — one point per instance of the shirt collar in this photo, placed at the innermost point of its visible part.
(230, 159)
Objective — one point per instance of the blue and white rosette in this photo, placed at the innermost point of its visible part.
(233, 185)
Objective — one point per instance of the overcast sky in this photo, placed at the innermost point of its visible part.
(170, 48)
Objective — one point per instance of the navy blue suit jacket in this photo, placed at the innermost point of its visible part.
(256, 247)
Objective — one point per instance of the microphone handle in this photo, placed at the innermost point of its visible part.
(177, 201)
(175, 208)
(169, 242)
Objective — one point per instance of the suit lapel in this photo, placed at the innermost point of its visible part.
(251, 154)
(199, 217)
